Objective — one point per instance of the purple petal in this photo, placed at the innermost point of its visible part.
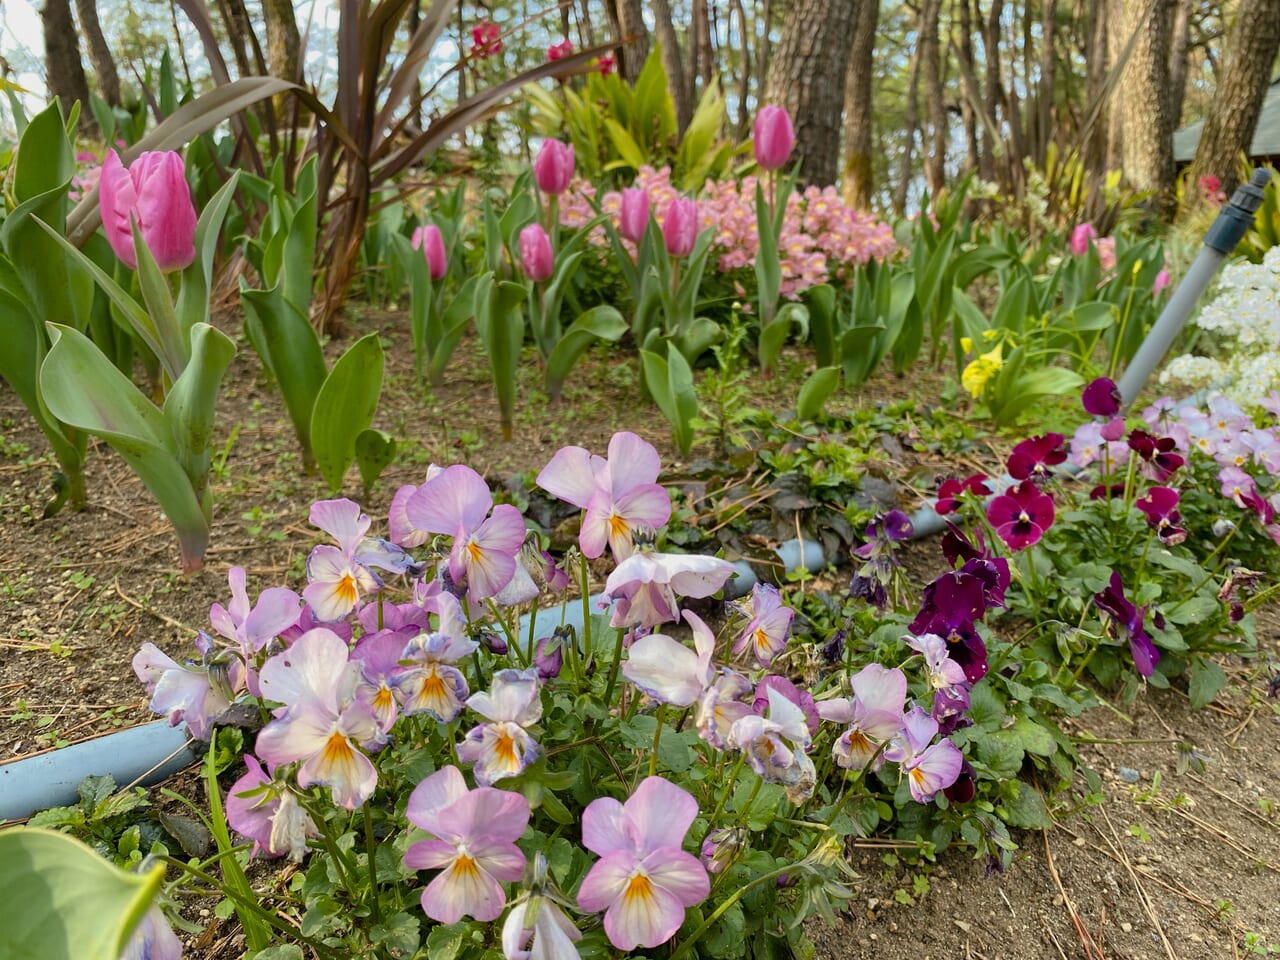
(660, 813)
(632, 462)
(604, 831)
(457, 499)
(341, 519)
(433, 795)
(571, 475)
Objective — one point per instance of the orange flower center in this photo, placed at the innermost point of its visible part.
(639, 887)
(618, 526)
(505, 748)
(346, 590)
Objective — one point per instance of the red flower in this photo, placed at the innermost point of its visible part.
(1034, 457)
(950, 489)
(486, 39)
(1021, 516)
(558, 51)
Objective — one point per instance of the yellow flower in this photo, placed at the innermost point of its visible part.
(976, 374)
(966, 344)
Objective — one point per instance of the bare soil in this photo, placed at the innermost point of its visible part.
(1169, 866)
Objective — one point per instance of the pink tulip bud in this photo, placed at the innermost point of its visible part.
(535, 253)
(1080, 237)
(553, 168)
(680, 226)
(635, 213)
(154, 192)
(772, 137)
(1162, 280)
(431, 243)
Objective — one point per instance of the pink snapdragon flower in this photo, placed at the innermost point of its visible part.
(474, 845)
(503, 747)
(620, 494)
(457, 502)
(152, 193)
(321, 724)
(644, 881)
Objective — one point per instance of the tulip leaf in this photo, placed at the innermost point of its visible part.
(375, 449)
(500, 323)
(670, 381)
(197, 279)
(287, 344)
(817, 389)
(599, 323)
(63, 901)
(189, 407)
(84, 390)
(345, 406)
(446, 327)
(156, 295)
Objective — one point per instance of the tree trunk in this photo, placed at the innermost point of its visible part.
(992, 89)
(1146, 146)
(935, 146)
(1246, 74)
(1045, 92)
(971, 102)
(909, 140)
(807, 77)
(1179, 46)
(744, 65)
(626, 18)
(283, 41)
(858, 89)
(674, 64)
(62, 59)
(104, 65)
(1095, 56)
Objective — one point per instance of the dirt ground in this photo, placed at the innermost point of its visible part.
(1168, 866)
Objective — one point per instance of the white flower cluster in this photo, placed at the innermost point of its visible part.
(1246, 315)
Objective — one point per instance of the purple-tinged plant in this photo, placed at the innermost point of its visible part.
(548, 656)
(620, 494)
(430, 683)
(644, 586)
(1101, 398)
(536, 257)
(723, 703)
(553, 167)
(251, 627)
(872, 578)
(340, 578)
(1088, 446)
(965, 786)
(379, 654)
(457, 502)
(721, 847)
(942, 673)
(644, 881)
(1021, 516)
(772, 137)
(1033, 457)
(1161, 508)
(503, 747)
(403, 532)
(667, 670)
(268, 813)
(320, 724)
(873, 715)
(952, 489)
(474, 834)
(776, 746)
(1128, 618)
(153, 939)
(801, 698)
(769, 626)
(680, 226)
(633, 216)
(953, 604)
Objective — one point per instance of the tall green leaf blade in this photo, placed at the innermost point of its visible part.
(190, 406)
(817, 389)
(63, 901)
(84, 390)
(345, 406)
(599, 323)
(500, 322)
(197, 279)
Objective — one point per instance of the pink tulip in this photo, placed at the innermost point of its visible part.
(772, 137)
(1162, 280)
(1080, 238)
(535, 253)
(635, 213)
(431, 243)
(553, 168)
(155, 194)
(680, 226)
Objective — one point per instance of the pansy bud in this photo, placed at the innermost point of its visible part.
(154, 193)
(635, 213)
(772, 137)
(431, 243)
(680, 226)
(553, 167)
(535, 253)
(1101, 398)
(548, 657)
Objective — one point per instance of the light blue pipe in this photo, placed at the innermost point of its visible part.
(793, 554)
(146, 754)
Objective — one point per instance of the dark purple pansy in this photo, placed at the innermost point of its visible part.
(1161, 508)
(963, 789)
(950, 489)
(1034, 456)
(1157, 451)
(1128, 617)
(1021, 516)
(953, 604)
(1107, 491)
(1102, 398)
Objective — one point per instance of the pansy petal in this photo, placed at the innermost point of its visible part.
(645, 915)
(661, 813)
(463, 889)
(679, 873)
(310, 671)
(433, 795)
(607, 878)
(570, 476)
(343, 520)
(497, 814)
(455, 499)
(665, 669)
(632, 461)
(277, 610)
(604, 829)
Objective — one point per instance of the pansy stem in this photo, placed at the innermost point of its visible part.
(256, 936)
(724, 906)
(657, 738)
(584, 576)
(613, 671)
(371, 852)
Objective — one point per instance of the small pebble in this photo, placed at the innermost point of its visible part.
(1129, 775)
(1126, 927)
